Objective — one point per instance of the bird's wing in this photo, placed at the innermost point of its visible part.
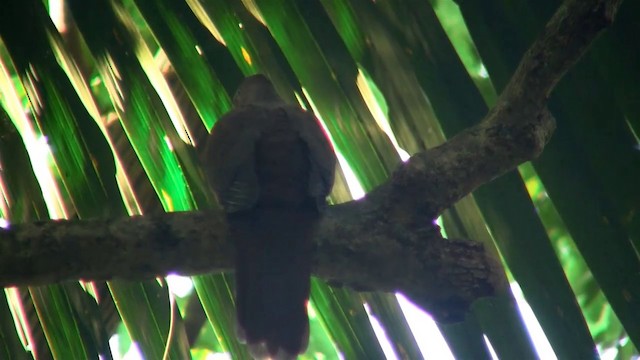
(322, 156)
(229, 155)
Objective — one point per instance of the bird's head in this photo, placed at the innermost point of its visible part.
(256, 90)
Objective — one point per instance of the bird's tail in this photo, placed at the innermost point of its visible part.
(273, 269)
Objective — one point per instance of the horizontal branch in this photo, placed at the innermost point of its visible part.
(355, 247)
(132, 248)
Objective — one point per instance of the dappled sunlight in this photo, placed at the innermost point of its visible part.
(151, 66)
(534, 329)
(204, 18)
(355, 188)
(180, 286)
(426, 332)
(133, 353)
(365, 86)
(19, 315)
(381, 334)
(35, 144)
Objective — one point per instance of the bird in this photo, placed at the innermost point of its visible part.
(272, 167)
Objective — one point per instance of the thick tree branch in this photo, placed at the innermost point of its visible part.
(385, 242)
(354, 247)
(516, 129)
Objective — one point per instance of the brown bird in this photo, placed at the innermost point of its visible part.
(272, 168)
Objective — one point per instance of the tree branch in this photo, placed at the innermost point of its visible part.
(516, 129)
(386, 241)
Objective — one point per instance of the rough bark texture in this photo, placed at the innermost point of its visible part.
(386, 241)
(128, 248)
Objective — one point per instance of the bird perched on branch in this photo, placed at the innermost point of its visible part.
(272, 168)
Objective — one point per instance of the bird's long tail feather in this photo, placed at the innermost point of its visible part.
(273, 268)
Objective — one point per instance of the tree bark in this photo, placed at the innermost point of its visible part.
(386, 241)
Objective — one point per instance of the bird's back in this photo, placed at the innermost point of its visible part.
(282, 165)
